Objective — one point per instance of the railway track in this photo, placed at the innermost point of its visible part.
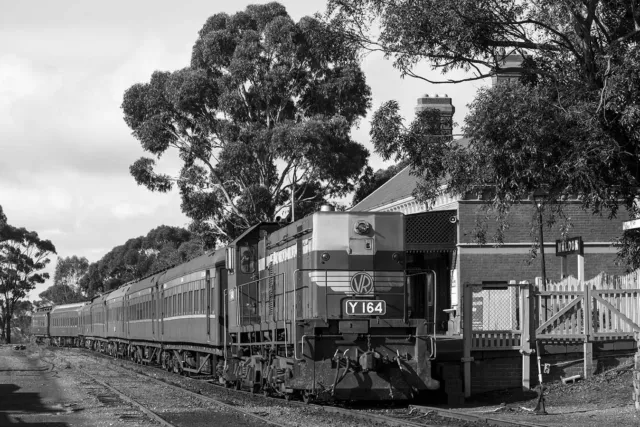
(298, 413)
(157, 417)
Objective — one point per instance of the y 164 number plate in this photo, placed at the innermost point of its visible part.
(366, 307)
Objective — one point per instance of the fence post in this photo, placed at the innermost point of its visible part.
(588, 324)
(526, 314)
(467, 316)
(636, 374)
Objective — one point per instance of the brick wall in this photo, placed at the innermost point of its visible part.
(592, 228)
(500, 370)
(494, 264)
(495, 371)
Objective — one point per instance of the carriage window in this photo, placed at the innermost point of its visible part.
(247, 259)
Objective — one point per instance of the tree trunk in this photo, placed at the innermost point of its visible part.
(8, 312)
(7, 329)
(2, 321)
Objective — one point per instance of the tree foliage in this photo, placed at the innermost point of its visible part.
(161, 248)
(569, 126)
(23, 256)
(66, 281)
(370, 181)
(60, 294)
(266, 104)
(69, 270)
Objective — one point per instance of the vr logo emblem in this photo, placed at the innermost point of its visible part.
(362, 283)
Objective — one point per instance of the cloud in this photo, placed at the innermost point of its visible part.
(129, 210)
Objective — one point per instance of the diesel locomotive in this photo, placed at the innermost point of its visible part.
(320, 308)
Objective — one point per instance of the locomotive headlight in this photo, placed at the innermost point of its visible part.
(362, 227)
(326, 256)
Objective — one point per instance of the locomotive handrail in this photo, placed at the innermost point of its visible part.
(259, 302)
(226, 326)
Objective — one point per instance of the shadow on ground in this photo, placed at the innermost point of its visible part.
(12, 400)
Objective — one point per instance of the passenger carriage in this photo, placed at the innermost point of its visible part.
(191, 324)
(65, 324)
(40, 323)
(96, 338)
(116, 321)
(143, 319)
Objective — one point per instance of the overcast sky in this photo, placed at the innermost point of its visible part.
(65, 150)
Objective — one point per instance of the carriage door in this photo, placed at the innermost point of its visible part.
(208, 284)
(219, 284)
(153, 310)
(163, 309)
(121, 314)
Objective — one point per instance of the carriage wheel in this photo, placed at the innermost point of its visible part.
(307, 397)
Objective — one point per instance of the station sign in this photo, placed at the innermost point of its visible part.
(631, 225)
(569, 246)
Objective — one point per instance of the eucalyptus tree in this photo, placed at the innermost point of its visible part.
(568, 127)
(23, 256)
(263, 110)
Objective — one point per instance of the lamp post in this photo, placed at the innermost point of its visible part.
(538, 198)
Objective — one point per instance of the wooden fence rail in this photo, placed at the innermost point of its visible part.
(603, 308)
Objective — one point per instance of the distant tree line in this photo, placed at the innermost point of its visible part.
(76, 279)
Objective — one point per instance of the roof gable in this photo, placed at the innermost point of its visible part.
(399, 187)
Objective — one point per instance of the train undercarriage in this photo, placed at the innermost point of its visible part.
(385, 363)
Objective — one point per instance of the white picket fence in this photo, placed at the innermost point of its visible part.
(606, 307)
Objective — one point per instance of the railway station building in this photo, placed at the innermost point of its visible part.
(441, 238)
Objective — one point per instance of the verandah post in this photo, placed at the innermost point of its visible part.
(526, 313)
(467, 315)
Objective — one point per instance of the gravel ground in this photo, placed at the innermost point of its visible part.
(275, 410)
(47, 387)
(36, 392)
(603, 400)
